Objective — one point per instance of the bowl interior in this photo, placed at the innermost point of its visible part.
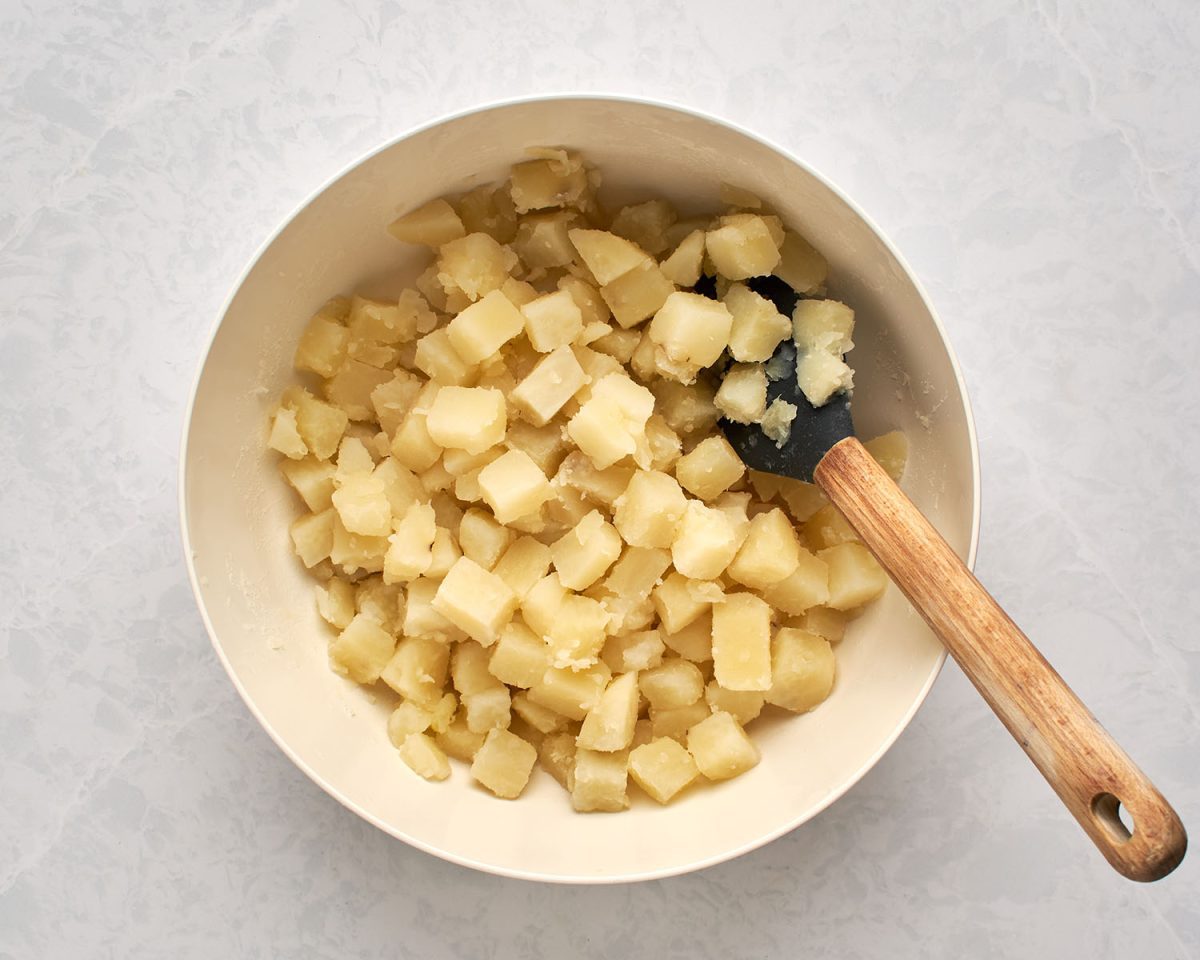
(258, 602)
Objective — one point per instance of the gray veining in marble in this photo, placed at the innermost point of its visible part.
(1038, 163)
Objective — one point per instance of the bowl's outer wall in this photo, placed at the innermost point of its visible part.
(259, 603)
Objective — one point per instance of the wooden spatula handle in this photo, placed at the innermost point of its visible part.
(1090, 773)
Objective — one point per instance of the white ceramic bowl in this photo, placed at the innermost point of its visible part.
(257, 602)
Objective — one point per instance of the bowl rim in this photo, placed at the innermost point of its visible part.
(333, 791)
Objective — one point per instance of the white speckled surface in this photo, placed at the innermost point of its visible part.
(1037, 164)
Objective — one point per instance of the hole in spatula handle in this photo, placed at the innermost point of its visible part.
(1117, 820)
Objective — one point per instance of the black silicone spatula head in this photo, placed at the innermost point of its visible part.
(815, 429)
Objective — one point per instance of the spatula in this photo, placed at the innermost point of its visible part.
(1090, 773)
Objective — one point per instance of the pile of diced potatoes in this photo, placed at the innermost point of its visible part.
(524, 522)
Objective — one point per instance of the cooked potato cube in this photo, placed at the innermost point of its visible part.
(673, 683)
(645, 224)
(577, 634)
(608, 726)
(482, 538)
(557, 181)
(312, 537)
(548, 387)
(627, 587)
(552, 320)
(662, 365)
(742, 705)
(662, 444)
(442, 554)
(607, 256)
(825, 622)
(601, 486)
(335, 602)
(417, 670)
(285, 435)
(353, 552)
(433, 224)
(539, 718)
(828, 527)
(628, 652)
(705, 542)
(410, 553)
(312, 479)
(470, 669)
(489, 210)
(374, 321)
(691, 328)
(587, 298)
(710, 469)
(412, 446)
(503, 763)
(802, 499)
(736, 507)
(802, 669)
(477, 265)
(484, 327)
(475, 601)
(618, 344)
(679, 601)
(420, 618)
(637, 294)
(743, 394)
(557, 754)
(406, 720)
(546, 445)
(436, 357)
(721, 748)
(363, 506)
(353, 460)
(458, 741)
(821, 375)
(543, 240)
(599, 782)
(807, 586)
(583, 555)
(362, 650)
(424, 757)
(392, 400)
(758, 328)
(487, 709)
(800, 266)
(523, 564)
(855, 577)
(889, 450)
(683, 266)
(571, 693)
(520, 657)
(742, 247)
(519, 292)
(676, 721)
(648, 513)
(777, 421)
(541, 604)
(612, 422)
(823, 325)
(350, 389)
(741, 642)
(322, 347)
(513, 486)
(770, 553)
(467, 418)
(687, 409)
(662, 768)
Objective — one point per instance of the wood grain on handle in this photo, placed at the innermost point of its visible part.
(1084, 765)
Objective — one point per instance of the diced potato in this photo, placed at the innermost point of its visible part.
(541, 604)
(335, 602)
(705, 542)
(662, 444)
(520, 657)
(821, 375)
(633, 651)
(513, 486)
(637, 294)
(539, 718)
(312, 537)
(503, 764)
(676, 721)
(889, 450)
(458, 741)
(607, 256)
(406, 720)
(322, 347)
(383, 323)
(482, 538)
(741, 642)
(424, 757)
(599, 782)
(691, 328)
(543, 240)
(379, 600)
(825, 622)
(484, 327)
(770, 553)
(687, 409)
(412, 446)
(743, 705)
(436, 357)
(608, 726)
(487, 709)
(571, 693)
(577, 634)
(736, 508)
(618, 344)
(710, 469)
(363, 506)
(285, 435)
(523, 564)
(777, 421)
(613, 420)
(353, 460)
(467, 418)
(477, 265)
(823, 325)
(645, 224)
(559, 181)
(392, 400)
(433, 224)
(855, 577)
(475, 601)
(673, 683)
(682, 267)
(662, 768)
(587, 298)
(648, 513)
(350, 389)
(667, 368)
(470, 669)
(552, 320)
(742, 247)
(743, 394)
(420, 618)
(721, 748)
(489, 210)
(519, 292)
(758, 328)
(807, 586)
(802, 499)
(583, 555)
(417, 670)
(362, 650)
(546, 445)
(679, 601)
(557, 754)
(601, 486)
(353, 552)
(828, 527)
(802, 669)
(800, 266)
(548, 387)
(312, 479)
(627, 587)
(410, 552)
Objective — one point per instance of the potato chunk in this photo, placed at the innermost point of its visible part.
(721, 748)
(312, 537)
(855, 577)
(513, 486)
(424, 757)
(436, 357)
(432, 224)
(612, 422)
(607, 256)
(576, 635)
(683, 265)
(475, 601)
(600, 782)
(467, 418)
(662, 768)
(571, 693)
(777, 421)
(552, 320)
(557, 180)
(484, 327)
(741, 642)
(410, 552)
(673, 683)
(523, 564)
(800, 266)
(520, 657)
(821, 375)
(742, 246)
(503, 764)
(483, 538)
(691, 328)
(362, 650)
(637, 294)
(743, 393)
(823, 325)
(608, 726)
(312, 479)
(807, 586)
(705, 542)
(363, 507)
(583, 555)
(770, 553)
(743, 705)
(322, 347)
(548, 387)
(319, 424)
(633, 651)
(711, 468)
(758, 328)
(889, 450)
(417, 670)
(477, 265)
(687, 409)
(679, 601)
(802, 668)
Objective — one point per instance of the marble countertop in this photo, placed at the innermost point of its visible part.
(1039, 165)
